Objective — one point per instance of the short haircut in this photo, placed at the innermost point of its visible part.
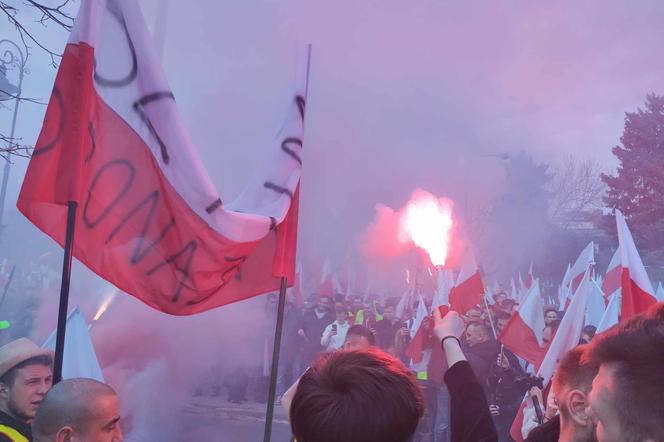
(499, 314)
(482, 326)
(68, 403)
(574, 373)
(508, 303)
(635, 352)
(551, 309)
(356, 396)
(360, 330)
(9, 377)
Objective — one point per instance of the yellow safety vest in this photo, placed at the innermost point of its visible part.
(12, 434)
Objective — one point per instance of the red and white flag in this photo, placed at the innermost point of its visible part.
(469, 288)
(576, 273)
(523, 333)
(149, 219)
(611, 315)
(636, 288)
(416, 346)
(529, 277)
(611, 282)
(566, 338)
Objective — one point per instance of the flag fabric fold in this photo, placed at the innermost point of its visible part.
(611, 315)
(149, 219)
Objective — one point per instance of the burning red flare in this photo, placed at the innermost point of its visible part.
(427, 222)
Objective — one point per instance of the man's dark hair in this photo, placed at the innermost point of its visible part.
(590, 330)
(508, 303)
(9, 377)
(499, 314)
(360, 330)
(482, 325)
(635, 352)
(574, 373)
(551, 309)
(356, 396)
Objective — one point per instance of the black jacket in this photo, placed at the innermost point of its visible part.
(482, 357)
(9, 425)
(547, 432)
(470, 419)
(313, 329)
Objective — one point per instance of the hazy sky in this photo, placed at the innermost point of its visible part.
(402, 94)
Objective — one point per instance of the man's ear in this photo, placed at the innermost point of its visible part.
(4, 391)
(64, 434)
(577, 404)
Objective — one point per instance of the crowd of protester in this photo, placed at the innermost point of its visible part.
(349, 376)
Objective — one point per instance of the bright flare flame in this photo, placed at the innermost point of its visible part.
(104, 305)
(427, 221)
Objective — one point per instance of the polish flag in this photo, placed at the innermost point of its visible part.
(149, 219)
(326, 286)
(566, 338)
(296, 290)
(611, 315)
(596, 306)
(529, 277)
(611, 283)
(523, 333)
(415, 350)
(637, 292)
(573, 280)
(400, 310)
(514, 293)
(469, 288)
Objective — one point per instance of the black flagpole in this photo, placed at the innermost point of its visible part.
(267, 435)
(275, 361)
(64, 292)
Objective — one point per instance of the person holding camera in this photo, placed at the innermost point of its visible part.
(334, 335)
(506, 384)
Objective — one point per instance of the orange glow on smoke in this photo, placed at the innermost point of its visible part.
(427, 222)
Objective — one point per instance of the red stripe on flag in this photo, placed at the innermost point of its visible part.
(520, 339)
(634, 299)
(467, 294)
(132, 227)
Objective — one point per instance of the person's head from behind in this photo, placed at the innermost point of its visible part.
(356, 396)
(550, 315)
(626, 397)
(549, 331)
(78, 410)
(507, 305)
(26, 375)
(587, 334)
(359, 337)
(502, 318)
(477, 333)
(571, 386)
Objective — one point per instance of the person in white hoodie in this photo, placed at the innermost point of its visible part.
(334, 335)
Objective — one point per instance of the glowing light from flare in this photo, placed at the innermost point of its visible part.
(427, 221)
(105, 304)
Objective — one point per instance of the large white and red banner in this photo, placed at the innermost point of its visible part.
(637, 292)
(469, 289)
(149, 219)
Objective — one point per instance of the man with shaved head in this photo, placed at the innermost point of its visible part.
(78, 410)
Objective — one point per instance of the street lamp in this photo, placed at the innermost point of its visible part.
(9, 60)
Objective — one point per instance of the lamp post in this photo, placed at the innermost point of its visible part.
(9, 59)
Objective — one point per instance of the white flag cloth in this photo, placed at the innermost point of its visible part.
(596, 307)
(611, 314)
(80, 358)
